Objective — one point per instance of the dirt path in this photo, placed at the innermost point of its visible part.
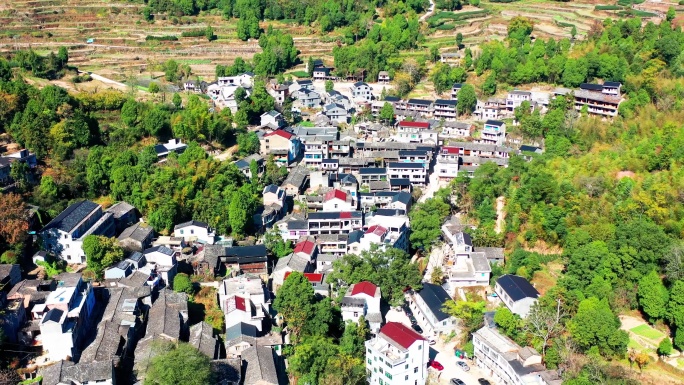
(500, 214)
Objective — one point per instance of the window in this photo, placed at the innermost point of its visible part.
(406, 378)
(381, 370)
(406, 367)
(415, 370)
(388, 375)
(356, 314)
(66, 236)
(192, 231)
(370, 362)
(181, 232)
(420, 347)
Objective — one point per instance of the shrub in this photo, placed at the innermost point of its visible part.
(9, 257)
(445, 27)
(161, 38)
(193, 33)
(183, 284)
(665, 347)
(607, 7)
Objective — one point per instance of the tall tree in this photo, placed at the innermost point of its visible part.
(596, 327)
(295, 301)
(467, 100)
(13, 219)
(653, 296)
(101, 252)
(177, 364)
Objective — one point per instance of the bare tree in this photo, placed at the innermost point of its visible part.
(674, 268)
(545, 323)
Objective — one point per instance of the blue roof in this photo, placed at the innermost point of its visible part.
(435, 297)
(402, 197)
(372, 170)
(68, 219)
(494, 123)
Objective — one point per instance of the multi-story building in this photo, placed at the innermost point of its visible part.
(493, 108)
(372, 174)
(420, 106)
(469, 269)
(516, 97)
(508, 363)
(454, 90)
(493, 132)
(416, 172)
(397, 355)
(362, 299)
(322, 73)
(448, 160)
(316, 142)
(283, 145)
(383, 77)
(415, 132)
(336, 113)
(308, 98)
(66, 316)
(377, 105)
(451, 130)
(64, 235)
(361, 91)
(244, 299)
(195, 231)
(334, 222)
(382, 237)
(602, 100)
(445, 109)
(427, 305)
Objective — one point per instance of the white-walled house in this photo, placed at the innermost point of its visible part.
(338, 200)
(397, 355)
(363, 299)
(64, 235)
(517, 293)
(427, 306)
(195, 231)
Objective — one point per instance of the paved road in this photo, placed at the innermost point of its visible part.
(430, 11)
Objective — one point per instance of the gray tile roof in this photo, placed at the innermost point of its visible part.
(108, 344)
(137, 232)
(83, 372)
(294, 262)
(241, 332)
(159, 249)
(137, 279)
(68, 219)
(165, 314)
(434, 297)
(202, 338)
(260, 365)
(480, 262)
(227, 369)
(120, 209)
(190, 223)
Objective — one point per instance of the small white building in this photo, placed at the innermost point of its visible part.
(244, 299)
(272, 119)
(516, 97)
(363, 299)
(338, 200)
(397, 355)
(494, 132)
(517, 293)
(361, 92)
(195, 231)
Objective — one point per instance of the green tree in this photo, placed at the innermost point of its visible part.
(665, 347)
(653, 296)
(101, 252)
(248, 143)
(310, 360)
(489, 85)
(310, 66)
(209, 33)
(153, 121)
(183, 284)
(467, 100)
(437, 276)
(508, 322)
(387, 112)
(154, 88)
(170, 72)
(177, 101)
(671, 14)
(48, 189)
(147, 14)
(239, 212)
(295, 302)
(354, 338)
(329, 85)
(595, 325)
(519, 28)
(459, 39)
(470, 312)
(573, 32)
(675, 307)
(426, 221)
(178, 363)
(63, 55)
(434, 54)
(276, 245)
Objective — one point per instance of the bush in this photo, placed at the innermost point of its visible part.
(681, 2)
(9, 257)
(665, 347)
(193, 33)
(475, 3)
(445, 27)
(161, 38)
(607, 7)
(183, 284)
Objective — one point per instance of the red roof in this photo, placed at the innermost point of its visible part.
(312, 277)
(377, 230)
(451, 150)
(280, 132)
(345, 215)
(306, 247)
(364, 287)
(401, 334)
(405, 123)
(335, 193)
(240, 303)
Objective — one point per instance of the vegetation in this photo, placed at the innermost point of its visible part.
(178, 363)
(101, 252)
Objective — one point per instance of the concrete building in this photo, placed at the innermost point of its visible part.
(516, 97)
(397, 355)
(363, 299)
(63, 236)
(195, 231)
(517, 293)
(494, 132)
(427, 305)
(361, 92)
(445, 109)
(508, 363)
(416, 172)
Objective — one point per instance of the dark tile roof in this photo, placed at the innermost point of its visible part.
(435, 297)
(246, 251)
(457, 85)
(400, 182)
(159, 249)
(335, 215)
(190, 223)
(68, 219)
(591, 87)
(202, 338)
(612, 84)
(241, 332)
(445, 102)
(355, 236)
(420, 101)
(494, 123)
(136, 257)
(372, 170)
(304, 81)
(402, 197)
(415, 165)
(389, 212)
(229, 369)
(359, 84)
(526, 148)
(517, 287)
(391, 99)
(271, 188)
(412, 153)
(83, 372)
(108, 344)
(260, 365)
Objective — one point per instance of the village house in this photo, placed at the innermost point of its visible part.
(195, 231)
(288, 264)
(494, 132)
(282, 145)
(415, 132)
(383, 77)
(244, 299)
(275, 206)
(279, 92)
(263, 366)
(137, 237)
(336, 113)
(272, 119)
(602, 100)
(370, 174)
(516, 97)
(363, 299)
(239, 337)
(516, 293)
(447, 165)
(416, 172)
(10, 275)
(245, 165)
(321, 73)
(308, 98)
(202, 338)
(6, 161)
(64, 235)
(161, 263)
(454, 130)
(296, 181)
(427, 305)
(176, 244)
(445, 109)
(361, 92)
(173, 145)
(454, 90)
(493, 108)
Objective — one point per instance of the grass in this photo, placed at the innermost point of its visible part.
(627, 3)
(440, 18)
(300, 74)
(608, 7)
(648, 332)
(194, 61)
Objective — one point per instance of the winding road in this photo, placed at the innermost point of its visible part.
(430, 11)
